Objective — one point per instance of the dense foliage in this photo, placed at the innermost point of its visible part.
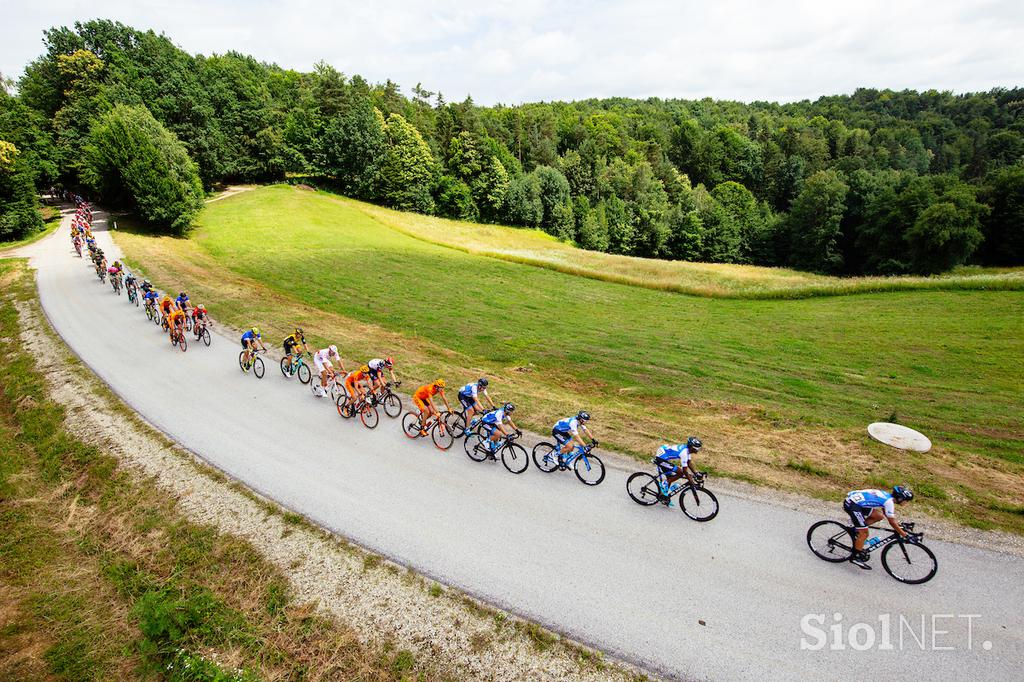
(874, 182)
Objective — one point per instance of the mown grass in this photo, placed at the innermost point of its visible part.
(101, 578)
(716, 280)
(53, 220)
(770, 385)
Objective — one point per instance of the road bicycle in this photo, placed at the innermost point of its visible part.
(456, 423)
(908, 561)
(695, 500)
(298, 365)
(334, 389)
(364, 406)
(255, 362)
(389, 400)
(133, 293)
(115, 283)
(151, 313)
(178, 338)
(202, 331)
(479, 448)
(78, 246)
(101, 272)
(588, 467)
(188, 320)
(439, 433)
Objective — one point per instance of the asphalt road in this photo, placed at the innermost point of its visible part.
(721, 600)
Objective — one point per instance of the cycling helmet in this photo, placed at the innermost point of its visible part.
(333, 349)
(201, 307)
(389, 362)
(693, 444)
(583, 416)
(182, 294)
(255, 330)
(509, 407)
(365, 369)
(298, 331)
(146, 282)
(482, 382)
(439, 383)
(902, 494)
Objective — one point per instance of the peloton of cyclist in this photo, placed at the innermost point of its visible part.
(494, 422)
(422, 400)
(376, 368)
(324, 367)
(566, 433)
(676, 461)
(291, 344)
(469, 398)
(870, 506)
(250, 339)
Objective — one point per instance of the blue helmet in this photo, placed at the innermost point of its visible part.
(902, 494)
(693, 444)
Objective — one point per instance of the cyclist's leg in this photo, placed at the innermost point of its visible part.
(860, 522)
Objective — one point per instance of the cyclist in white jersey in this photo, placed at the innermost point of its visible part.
(377, 367)
(870, 506)
(322, 361)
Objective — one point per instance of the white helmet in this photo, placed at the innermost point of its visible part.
(333, 349)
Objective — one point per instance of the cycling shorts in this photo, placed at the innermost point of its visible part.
(857, 514)
(467, 401)
(290, 344)
(561, 437)
(667, 467)
(421, 403)
(321, 365)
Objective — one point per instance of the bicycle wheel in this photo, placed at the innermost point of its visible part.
(456, 423)
(392, 405)
(241, 360)
(909, 563)
(545, 457)
(258, 368)
(207, 339)
(697, 503)
(643, 488)
(304, 374)
(475, 448)
(284, 368)
(589, 469)
(831, 541)
(182, 343)
(149, 313)
(369, 416)
(441, 436)
(411, 425)
(513, 456)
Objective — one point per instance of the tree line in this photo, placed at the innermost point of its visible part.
(875, 182)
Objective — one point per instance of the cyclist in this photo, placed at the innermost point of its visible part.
(129, 280)
(422, 400)
(199, 318)
(324, 367)
(469, 398)
(291, 344)
(567, 432)
(150, 297)
(114, 270)
(250, 340)
(176, 323)
(354, 381)
(676, 461)
(494, 422)
(377, 367)
(182, 301)
(146, 285)
(870, 506)
(165, 305)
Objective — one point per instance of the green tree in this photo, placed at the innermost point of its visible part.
(815, 223)
(407, 172)
(19, 214)
(1003, 227)
(946, 233)
(353, 147)
(131, 159)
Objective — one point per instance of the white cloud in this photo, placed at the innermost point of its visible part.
(525, 50)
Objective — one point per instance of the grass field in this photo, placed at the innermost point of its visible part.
(780, 390)
(718, 280)
(52, 222)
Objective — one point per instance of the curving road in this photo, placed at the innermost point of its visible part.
(722, 600)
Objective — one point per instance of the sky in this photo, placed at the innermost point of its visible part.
(513, 51)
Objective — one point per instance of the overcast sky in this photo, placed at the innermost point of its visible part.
(526, 50)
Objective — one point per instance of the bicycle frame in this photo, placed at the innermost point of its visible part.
(851, 532)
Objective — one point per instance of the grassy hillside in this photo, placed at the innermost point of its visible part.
(719, 280)
(781, 390)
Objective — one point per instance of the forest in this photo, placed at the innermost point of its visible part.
(877, 182)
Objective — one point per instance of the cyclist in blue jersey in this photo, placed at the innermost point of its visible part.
(151, 296)
(469, 397)
(182, 302)
(494, 423)
(676, 461)
(567, 433)
(250, 340)
(870, 506)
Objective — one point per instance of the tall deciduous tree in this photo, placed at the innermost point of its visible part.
(407, 173)
(815, 223)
